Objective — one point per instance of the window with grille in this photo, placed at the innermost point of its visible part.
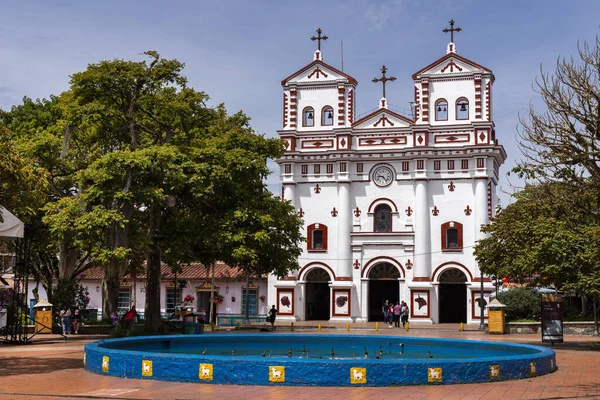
(304, 169)
(383, 218)
(330, 168)
(450, 164)
(124, 299)
(436, 165)
(172, 298)
(464, 164)
(317, 169)
(405, 166)
(359, 167)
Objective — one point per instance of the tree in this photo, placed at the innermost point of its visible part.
(544, 238)
(563, 142)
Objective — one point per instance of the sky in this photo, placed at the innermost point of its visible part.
(238, 51)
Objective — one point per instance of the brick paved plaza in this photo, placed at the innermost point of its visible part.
(52, 369)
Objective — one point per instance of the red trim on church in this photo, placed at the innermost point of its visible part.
(315, 64)
(446, 57)
(383, 111)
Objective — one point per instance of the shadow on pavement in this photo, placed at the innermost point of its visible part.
(11, 366)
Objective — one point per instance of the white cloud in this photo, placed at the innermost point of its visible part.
(379, 13)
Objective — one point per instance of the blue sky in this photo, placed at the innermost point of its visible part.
(238, 51)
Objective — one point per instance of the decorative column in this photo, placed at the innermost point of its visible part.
(481, 208)
(344, 224)
(288, 193)
(422, 263)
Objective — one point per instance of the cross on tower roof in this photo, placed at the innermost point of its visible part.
(384, 78)
(319, 38)
(452, 30)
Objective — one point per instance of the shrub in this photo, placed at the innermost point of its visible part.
(521, 303)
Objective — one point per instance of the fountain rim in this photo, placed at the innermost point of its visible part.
(99, 345)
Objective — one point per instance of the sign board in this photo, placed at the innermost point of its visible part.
(552, 318)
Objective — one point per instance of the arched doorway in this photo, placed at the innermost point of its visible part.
(453, 296)
(383, 285)
(317, 298)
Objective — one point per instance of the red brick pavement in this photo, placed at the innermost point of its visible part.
(54, 371)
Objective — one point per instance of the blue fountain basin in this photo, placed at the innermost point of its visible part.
(315, 360)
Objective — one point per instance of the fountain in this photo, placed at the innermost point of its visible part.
(315, 360)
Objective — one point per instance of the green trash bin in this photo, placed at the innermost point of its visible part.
(191, 328)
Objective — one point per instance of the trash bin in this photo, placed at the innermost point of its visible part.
(191, 324)
(191, 328)
(43, 317)
(496, 317)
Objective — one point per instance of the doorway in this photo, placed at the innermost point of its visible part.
(453, 296)
(318, 297)
(383, 285)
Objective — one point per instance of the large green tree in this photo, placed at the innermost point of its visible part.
(140, 168)
(544, 238)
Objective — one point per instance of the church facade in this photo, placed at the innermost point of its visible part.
(392, 204)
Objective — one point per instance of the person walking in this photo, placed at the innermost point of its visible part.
(272, 316)
(397, 311)
(65, 319)
(404, 316)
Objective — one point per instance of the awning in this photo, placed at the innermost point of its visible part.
(11, 227)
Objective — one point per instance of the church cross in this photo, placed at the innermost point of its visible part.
(384, 78)
(319, 38)
(452, 30)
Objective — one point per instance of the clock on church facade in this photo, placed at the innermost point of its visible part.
(392, 203)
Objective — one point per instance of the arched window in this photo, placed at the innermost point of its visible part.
(452, 236)
(317, 237)
(383, 218)
(441, 110)
(308, 117)
(327, 116)
(462, 108)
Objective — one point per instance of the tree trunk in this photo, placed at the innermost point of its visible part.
(113, 272)
(67, 259)
(152, 319)
(110, 288)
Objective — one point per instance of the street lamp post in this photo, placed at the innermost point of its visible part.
(481, 304)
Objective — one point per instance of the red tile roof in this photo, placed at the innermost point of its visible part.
(191, 271)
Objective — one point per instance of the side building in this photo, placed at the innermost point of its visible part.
(392, 204)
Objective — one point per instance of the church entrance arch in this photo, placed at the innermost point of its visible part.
(317, 298)
(383, 285)
(453, 296)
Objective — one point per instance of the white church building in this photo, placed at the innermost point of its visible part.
(392, 204)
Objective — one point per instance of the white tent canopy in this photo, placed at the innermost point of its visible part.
(12, 227)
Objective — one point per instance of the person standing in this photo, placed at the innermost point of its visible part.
(397, 312)
(201, 318)
(385, 309)
(65, 319)
(404, 316)
(390, 320)
(272, 316)
(76, 322)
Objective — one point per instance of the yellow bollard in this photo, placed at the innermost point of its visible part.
(319, 327)
(376, 326)
(462, 328)
(407, 327)
(292, 327)
(347, 327)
